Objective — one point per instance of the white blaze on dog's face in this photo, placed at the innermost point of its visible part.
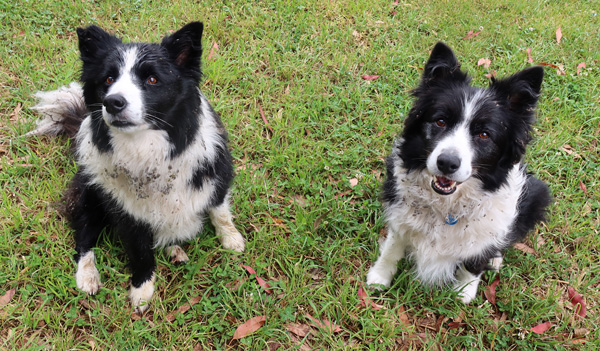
(451, 161)
(123, 105)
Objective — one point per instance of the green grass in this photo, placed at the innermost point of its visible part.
(310, 234)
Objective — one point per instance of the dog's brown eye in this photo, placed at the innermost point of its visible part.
(484, 135)
(152, 80)
(440, 123)
(110, 80)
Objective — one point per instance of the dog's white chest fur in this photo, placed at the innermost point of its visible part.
(147, 183)
(484, 220)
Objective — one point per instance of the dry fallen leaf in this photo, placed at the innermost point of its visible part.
(183, 308)
(529, 58)
(558, 35)
(403, 315)
(365, 300)
(263, 284)
(370, 77)
(471, 34)
(249, 327)
(486, 62)
(264, 118)
(213, 50)
(5, 299)
(301, 330)
(577, 301)
(524, 248)
(325, 324)
(353, 182)
(490, 291)
(579, 67)
(541, 328)
(582, 187)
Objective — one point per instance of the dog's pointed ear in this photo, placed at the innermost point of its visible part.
(442, 64)
(521, 90)
(94, 42)
(185, 45)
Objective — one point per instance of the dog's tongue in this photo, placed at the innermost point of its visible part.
(443, 181)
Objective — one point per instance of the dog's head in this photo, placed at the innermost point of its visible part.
(456, 132)
(137, 86)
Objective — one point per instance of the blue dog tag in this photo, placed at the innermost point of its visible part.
(450, 219)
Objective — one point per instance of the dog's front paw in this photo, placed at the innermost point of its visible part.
(377, 280)
(87, 277)
(467, 296)
(140, 297)
(233, 240)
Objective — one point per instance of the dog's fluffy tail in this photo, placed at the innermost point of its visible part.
(61, 110)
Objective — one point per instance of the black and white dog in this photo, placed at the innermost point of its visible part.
(152, 154)
(457, 193)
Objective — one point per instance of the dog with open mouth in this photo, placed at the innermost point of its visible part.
(457, 193)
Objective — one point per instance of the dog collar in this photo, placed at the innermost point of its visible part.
(450, 219)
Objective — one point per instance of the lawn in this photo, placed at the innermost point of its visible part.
(309, 130)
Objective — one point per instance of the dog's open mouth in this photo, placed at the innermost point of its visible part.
(443, 185)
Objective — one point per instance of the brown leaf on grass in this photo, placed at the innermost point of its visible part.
(490, 291)
(249, 327)
(579, 67)
(353, 182)
(491, 75)
(582, 187)
(262, 115)
(301, 330)
(577, 301)
(342, 194)
(15, 116)
(541, 328)
(570, 151)
(403, 315)
(183, 308)
(558, 35)
(370, 77)
(485, 62)
(263, 284)
(524, 248)
(366, 301)
(213, 50)
(529, 58)
(327, 325)
(471, 34)
(5, 299)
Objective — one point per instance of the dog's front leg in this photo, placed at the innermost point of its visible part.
(466, 284)
(87, 221)
(392, 251)
(139, 241)
(222, 219)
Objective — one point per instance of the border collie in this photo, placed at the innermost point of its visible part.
(457, 194)
(151, 152)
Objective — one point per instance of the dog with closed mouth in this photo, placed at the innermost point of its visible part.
(152, 153)
(457, 193)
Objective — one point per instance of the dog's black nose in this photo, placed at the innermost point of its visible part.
(447, 163)
(115, 103)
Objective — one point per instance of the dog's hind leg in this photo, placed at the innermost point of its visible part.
(221, 218)
(392, 251)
